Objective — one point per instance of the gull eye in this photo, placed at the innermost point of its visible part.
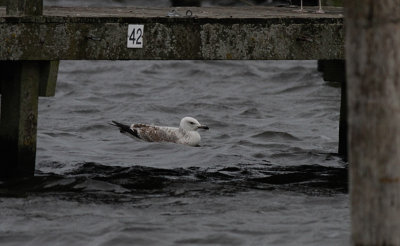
(191, 122)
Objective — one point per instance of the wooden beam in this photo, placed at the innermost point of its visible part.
(372, 64)
(19, 111)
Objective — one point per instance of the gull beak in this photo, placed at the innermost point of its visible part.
(203, 127)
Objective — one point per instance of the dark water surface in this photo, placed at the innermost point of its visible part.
(266, 173)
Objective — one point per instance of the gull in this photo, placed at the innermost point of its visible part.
(186, 133)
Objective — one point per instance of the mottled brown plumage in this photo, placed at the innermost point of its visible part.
(186, 133)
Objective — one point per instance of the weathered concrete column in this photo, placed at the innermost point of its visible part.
(343, 127)
(373, 76)
(19, 106)
(334, 70)
(48, 78)
(21, 83)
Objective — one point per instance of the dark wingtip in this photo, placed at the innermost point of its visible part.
(117, 124)
(113, 123)
(125, 128)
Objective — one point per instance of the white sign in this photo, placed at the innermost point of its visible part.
(135, 36)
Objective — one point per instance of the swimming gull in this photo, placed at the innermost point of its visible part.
(186, 133)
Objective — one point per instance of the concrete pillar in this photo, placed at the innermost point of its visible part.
(334, 70)
(48, 78)
(19, 107)
(343, 126)
(372, 64)
(21, 83)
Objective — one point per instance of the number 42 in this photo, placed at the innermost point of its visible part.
(135, 36)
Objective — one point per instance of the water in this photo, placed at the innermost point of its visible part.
(258, 112)
(266, 173)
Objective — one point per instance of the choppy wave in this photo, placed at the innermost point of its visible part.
(112, 181)
(264, 174)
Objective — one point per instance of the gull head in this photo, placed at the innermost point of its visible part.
(191, 124)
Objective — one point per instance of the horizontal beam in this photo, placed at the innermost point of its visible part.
(257, 33)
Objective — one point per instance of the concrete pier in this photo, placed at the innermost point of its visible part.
(21, 84)
(247, 33)
(33, 39)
